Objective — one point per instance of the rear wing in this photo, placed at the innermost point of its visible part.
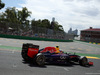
(32, 49)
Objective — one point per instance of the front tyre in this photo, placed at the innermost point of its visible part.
(83, 61)
(40, 60)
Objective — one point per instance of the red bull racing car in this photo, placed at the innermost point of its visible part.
(50, 55)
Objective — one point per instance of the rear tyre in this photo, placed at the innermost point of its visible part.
(83, 61)
(40, 60)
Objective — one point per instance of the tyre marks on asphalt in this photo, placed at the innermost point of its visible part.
(79, 49)
(57, 44)
(88, 50)
(71, 49)
(9, 40)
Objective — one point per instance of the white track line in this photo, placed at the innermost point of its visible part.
(92, 73)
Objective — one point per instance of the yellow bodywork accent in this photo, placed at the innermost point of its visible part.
(57, 50)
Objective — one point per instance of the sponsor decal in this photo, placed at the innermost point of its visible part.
(31, 49)
(62, 57)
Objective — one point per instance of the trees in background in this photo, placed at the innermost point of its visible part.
(45, 23)
(18, 20)
(1, 5)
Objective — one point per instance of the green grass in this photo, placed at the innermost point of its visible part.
(9, 47)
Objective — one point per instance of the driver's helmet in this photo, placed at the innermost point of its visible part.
(57, 49)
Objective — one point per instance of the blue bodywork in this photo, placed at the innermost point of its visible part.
(60, 58)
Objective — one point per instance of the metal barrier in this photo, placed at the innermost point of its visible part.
(38, 32)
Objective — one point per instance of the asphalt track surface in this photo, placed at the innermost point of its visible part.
(11, 62)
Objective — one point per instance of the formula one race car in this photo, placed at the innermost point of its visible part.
(50, 55)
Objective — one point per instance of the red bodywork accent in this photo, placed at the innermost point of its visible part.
(90, 63)
(32, 52)
(73, 56)
(50, 49)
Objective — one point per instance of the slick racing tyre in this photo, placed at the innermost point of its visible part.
(40, 60)
(83, 61)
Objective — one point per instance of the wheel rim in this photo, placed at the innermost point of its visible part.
(40, 60)
(84, 62)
